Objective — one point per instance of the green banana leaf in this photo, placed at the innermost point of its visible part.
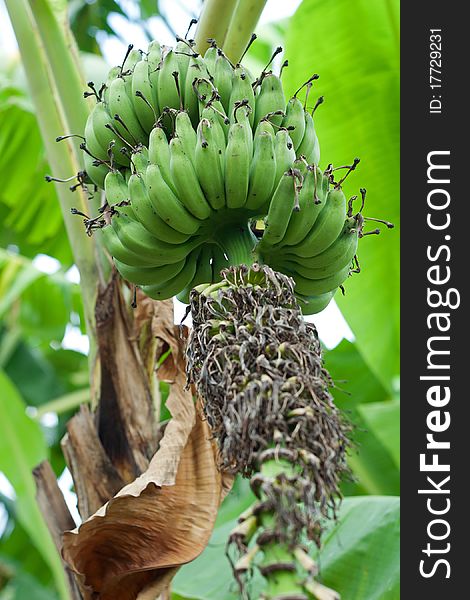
(22, 447)
(30, 209)
(354, 46)
(373, 459)
(359, 558)
(44, 303)
(383, 419)
(24, 586)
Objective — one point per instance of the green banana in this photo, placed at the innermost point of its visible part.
(305, 270)
(173, 286)
(96, 173)
(207, 163)
(301, 165)
(210, 57)
(223, 76)
(117, 193)
(242, 90)
(167, 90)
(140, 160)
(196, 70)
(161, 234)
(206, 95)
(327, 227)
(203, 273)
(117, 250)
(285, 153)
(113, 73)
(139, 241)
(323, 185)
(133, 57)
(121, 104)
(147, 215)
(142, 93)
(115, 187)
(98, 137)
(314, 304)
(142, 206)
(295, 121)
(315, 156)
(247, 72)
(154, 59)
(335, 257)
(149, 275)
(301, 222)
(183, 54)
(159, 154)
(237, 166)
(154, 56)
(264, 126)
(127, 78)
(220, 130)
(220, 122)
(262, 171)
(91, 140)
(307, 146)
(270, 99)
(315, 287)
(167, 204)
(280, 209)
(241, 115)
(186, 182)
(185, 132)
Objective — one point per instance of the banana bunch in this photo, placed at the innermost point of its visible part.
(192, 152)
(316, 244)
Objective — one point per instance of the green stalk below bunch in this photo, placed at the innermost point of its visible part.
(289, 572)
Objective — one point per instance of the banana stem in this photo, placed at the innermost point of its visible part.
(64, 403)
(63, 61)
(62, 158)
(243, 23)
(238, 244)
(213, 23)
(279, 566)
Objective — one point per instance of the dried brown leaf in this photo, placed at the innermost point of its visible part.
(169, 337)
(135, 541)
(132, 546)
(95, 478)
(125, 418)
(143, 316)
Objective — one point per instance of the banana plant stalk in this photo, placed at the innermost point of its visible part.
(260, 538)
(50, 70)
(242, 25)
(62, 60)
(213, 23)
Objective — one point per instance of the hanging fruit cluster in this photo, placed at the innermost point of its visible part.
(204, 167)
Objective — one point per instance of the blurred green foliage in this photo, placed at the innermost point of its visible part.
(359, 79)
